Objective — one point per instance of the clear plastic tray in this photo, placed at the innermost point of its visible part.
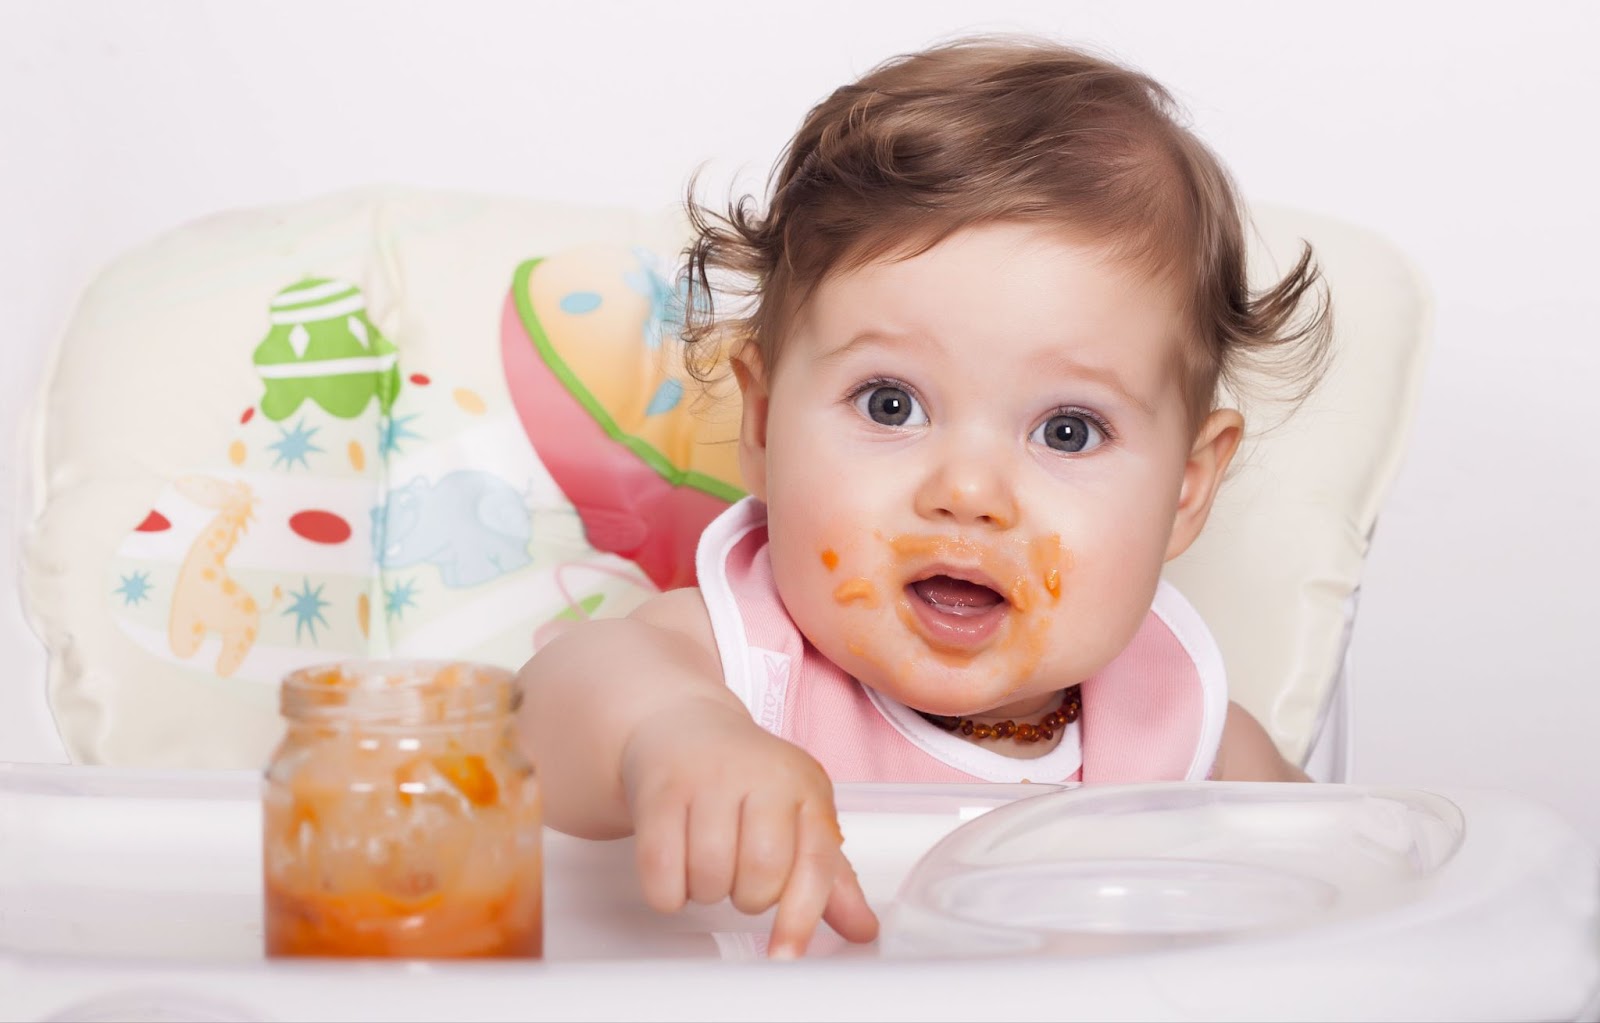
(1147, 869)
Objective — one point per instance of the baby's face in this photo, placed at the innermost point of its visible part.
(972, 462)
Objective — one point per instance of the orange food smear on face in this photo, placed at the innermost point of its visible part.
(1018, 595)
(830, 559)
(1023, 644)
(857, 589)
(1027, 648)
(1025, 564)
(1048, 561)
(921, 545)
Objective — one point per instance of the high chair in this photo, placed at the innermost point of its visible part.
(412, 424)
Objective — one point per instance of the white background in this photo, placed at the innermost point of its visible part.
(1464, 133)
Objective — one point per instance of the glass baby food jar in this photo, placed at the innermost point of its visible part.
(399, 818)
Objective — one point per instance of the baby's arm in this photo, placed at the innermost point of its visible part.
(1247, 752)
(634, 731)
(588, 692)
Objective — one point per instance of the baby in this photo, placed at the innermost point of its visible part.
(991, 299)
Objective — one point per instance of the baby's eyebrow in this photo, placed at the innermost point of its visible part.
(1061, 364)
(879, 338)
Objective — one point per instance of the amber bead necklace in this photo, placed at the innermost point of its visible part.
(1071, 707)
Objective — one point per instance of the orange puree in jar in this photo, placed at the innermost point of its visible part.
(399, 818)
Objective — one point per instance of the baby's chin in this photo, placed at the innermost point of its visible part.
(930, 684)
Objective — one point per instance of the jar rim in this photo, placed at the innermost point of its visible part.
(398, 691)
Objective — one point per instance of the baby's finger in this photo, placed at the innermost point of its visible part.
(660, 837)
(766, 849)
(713, 844)
(848, 911)
(810, 884)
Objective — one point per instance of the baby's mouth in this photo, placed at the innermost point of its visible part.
(949, 595)
(959, 615)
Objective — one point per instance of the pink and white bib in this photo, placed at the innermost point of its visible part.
(1154, 713)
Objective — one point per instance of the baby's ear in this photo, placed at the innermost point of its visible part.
(751, 373)
(1213, 448)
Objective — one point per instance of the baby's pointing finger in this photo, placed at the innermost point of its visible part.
(848, 911)
(800, 908)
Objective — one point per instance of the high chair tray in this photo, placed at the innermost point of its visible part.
(129, 894)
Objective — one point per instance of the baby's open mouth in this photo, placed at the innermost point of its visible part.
(949, 595)
(958, 615)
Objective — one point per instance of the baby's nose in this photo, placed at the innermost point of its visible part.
(969, 488)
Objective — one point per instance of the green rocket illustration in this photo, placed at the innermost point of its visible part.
(323, 347)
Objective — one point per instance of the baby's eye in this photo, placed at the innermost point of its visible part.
(1070, 433)
(890, 405)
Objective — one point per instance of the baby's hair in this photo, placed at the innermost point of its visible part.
(1003, 129)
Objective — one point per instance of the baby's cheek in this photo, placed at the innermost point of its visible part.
(820, 593)
(1098, 614)
(821, 572)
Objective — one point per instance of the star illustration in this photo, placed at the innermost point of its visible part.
(307, 610)
(134, 588)
(401, 597)
(295, 445)
(394, 430)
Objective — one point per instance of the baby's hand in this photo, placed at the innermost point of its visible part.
(723, 809)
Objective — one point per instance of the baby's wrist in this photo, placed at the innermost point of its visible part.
(659, 737)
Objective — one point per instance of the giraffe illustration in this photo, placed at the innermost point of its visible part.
(205, 599)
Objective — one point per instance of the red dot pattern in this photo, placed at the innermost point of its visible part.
(320, 526)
